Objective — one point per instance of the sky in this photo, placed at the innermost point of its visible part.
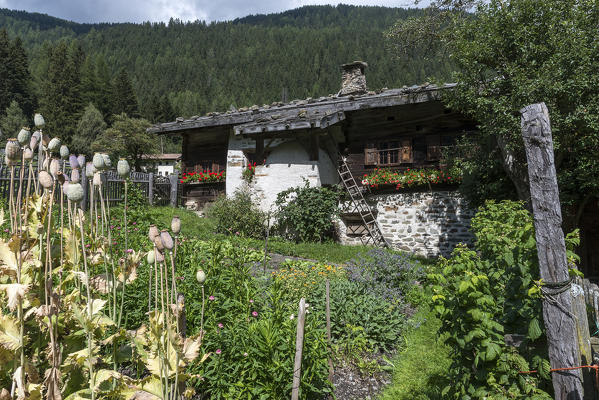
(90, 11)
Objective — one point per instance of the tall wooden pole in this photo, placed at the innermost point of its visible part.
(299, 345)
(551, 247)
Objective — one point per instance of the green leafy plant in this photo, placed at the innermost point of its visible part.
(238, 215)
(306, 213)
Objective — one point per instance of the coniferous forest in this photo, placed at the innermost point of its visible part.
(159, 71)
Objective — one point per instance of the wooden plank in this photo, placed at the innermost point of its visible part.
(299, 346)
(557, 301)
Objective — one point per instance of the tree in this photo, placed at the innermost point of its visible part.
(127, 138)
(517, 52)
(60, 100)
(15, 79)
(125, 100)
(14, 120)
(90, 126)
(105, 90)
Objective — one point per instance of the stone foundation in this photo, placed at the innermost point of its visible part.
(425, 223)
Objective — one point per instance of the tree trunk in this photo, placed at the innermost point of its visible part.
(516, 171)
(551, 247)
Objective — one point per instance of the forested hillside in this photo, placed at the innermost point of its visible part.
(204, 67)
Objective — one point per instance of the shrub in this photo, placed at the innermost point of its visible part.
(238, 215)
(388, 275)
(480, 296)
(306, 213)
(298, 278)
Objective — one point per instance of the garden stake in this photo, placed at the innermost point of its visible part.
(299, 343)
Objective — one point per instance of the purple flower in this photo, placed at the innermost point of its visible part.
(6, 230)
(245, 354)
(134, 223)
(129, 251)
(255, 313)
(220, 325)
(218, 351)
(87, 246)
(251, 301)
(211, 298)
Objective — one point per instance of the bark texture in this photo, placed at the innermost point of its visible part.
(557, 300)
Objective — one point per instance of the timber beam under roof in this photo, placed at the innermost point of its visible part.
(302, 121)
(267, 115)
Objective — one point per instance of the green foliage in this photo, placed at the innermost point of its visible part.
(90, 126)
(480, 296)
(238, 215)
(125, 99)
(12, 123)
(306, 213)
(208, 58)
(126, 138)
(15, 79)
(249, 335)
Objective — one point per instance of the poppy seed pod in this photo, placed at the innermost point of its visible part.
(65, 186)
(158, 243)
(166, 239)
(107, 161)
(153, 232)
(75, 175)
(45, 139)
(123, 169)
(98, 161)
(97, 180)
(201, 276)
(176, 225)
(28, 154)
(64, 152)
(75, 192)
(45, 179)
(54, 144)
(151, 257)
(60, 177)
(90, 170)
(81, 160)
(39, 120)
(12, 149)
(33, 142)
(159, 257)
(54, 166)
(24, 136)
(8, 162)
(73, 162)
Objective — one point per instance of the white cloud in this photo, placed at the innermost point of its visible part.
(163, 10)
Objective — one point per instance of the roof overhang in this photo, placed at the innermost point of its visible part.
(301, 121)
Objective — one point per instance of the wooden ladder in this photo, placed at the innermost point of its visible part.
(375, 235)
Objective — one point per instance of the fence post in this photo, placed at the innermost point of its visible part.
(174, 179)
(560, 322)
(299, 347)
(151, 188)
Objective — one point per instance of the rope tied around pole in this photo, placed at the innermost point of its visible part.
(550, 290)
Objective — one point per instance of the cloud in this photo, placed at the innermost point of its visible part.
(162, 10)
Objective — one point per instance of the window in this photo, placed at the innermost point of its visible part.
(391, 152)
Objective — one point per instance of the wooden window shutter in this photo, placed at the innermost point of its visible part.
(371, 156)
(406, 150)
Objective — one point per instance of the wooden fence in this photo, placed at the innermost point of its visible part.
(158, 190)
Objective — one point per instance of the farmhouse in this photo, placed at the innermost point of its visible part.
(337, 139)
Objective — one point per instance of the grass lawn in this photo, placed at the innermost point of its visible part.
(419, 370)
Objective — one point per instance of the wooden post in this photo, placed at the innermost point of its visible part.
(560, 323)
(328, 317)
(299, 344)
(151, 188)
(174, 179)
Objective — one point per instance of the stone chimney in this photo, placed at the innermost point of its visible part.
(353, 80)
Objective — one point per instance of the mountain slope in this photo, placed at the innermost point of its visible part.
(204, 67)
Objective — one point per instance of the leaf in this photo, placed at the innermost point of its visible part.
(102, 283)
(52, 383)
(534, 329)
(97, 305)
(148, 389)
(104, 375)
(15, 293)
(18, 381)
(7, 256)
(10, 337)
(191, 348)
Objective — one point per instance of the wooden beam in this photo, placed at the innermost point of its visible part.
(557, 299)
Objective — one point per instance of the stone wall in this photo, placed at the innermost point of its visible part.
(424, 223)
